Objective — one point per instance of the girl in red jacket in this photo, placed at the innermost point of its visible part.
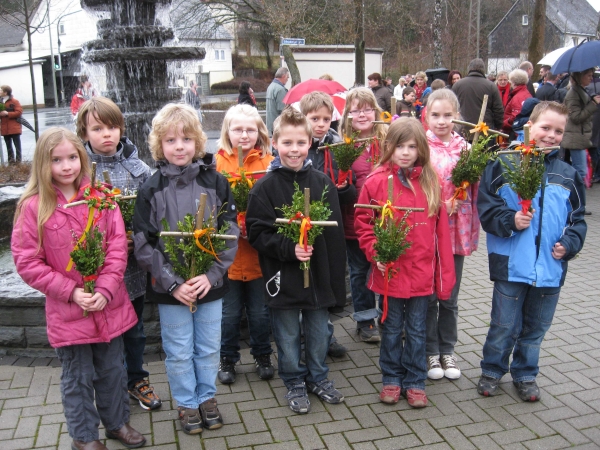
(426, 268)
(90, 348)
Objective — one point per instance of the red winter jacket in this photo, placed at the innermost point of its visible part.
(45, 270)
(515, 103)
(427, 267)
(9, 123)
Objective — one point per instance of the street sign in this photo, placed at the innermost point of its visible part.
(292, 41)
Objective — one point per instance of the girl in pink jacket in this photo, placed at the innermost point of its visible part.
(445, 146)
(90, 348)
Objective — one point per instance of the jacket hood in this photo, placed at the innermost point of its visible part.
(455, 142)
(126, 155)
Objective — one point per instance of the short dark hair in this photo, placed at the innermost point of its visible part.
(375, 76)
(7, 89)
(244, 87)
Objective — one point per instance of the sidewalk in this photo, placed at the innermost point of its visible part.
(257, 417)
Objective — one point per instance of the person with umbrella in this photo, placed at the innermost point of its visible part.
(11, 128)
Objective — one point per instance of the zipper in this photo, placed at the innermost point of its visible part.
(538, 239)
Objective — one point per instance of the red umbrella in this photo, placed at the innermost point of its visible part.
(308, 86)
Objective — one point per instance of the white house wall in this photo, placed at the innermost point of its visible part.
(18, 79)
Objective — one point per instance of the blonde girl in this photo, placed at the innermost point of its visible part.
(90, 349)
(362, 108)
(426, 267)
(243, 126)
(442, 316)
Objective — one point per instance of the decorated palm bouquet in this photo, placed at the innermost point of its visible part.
(470, 167)
(345, 153)
(88, 257)
(240, 184)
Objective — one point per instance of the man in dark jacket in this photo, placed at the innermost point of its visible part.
(528, 67)
(470, 91)
(547, 91)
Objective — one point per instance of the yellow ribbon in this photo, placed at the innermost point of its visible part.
(481, 127)
(386, 211)
(87, 229)
(305, 225)
(386, 117)
(200, 233)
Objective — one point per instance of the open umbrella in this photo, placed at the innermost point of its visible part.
(551, 57)
(577, 59)
(312, 85)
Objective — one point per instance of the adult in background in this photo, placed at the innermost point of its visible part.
(453, 77)
(246, 94)
(578, 132)
(382, 93)
(399, 88)
(390, 84)
(420, 84)
(518, 80)
(275, 93)
(543, 71)
(470, 91)
(84, 92)
(592, 89)
(503, 86)
(10, 128)
(547, 91)
(193, 99)
(528, 67)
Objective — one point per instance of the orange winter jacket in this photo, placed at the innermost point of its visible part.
(245, 266)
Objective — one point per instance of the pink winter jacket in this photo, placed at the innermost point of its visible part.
(464, 224)
(45, 270)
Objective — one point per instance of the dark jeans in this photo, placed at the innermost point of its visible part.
(442, 318)
(249, 295)
(285, 325)
(365, 309)
(8, 140)
(135, 343)
(521, 315)
(93, 372)
(404, 363)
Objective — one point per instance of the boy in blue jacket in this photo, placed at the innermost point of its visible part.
(528, 256)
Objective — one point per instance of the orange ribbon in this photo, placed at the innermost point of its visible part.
(305, 225)
(460, 193)
(205, 232)
(526, 149)
(480, 127)
(386, 117)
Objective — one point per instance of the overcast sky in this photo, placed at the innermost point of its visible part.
(595, 4)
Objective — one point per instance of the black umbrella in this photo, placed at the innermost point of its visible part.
(26, 124)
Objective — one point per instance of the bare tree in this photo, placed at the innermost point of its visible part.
(437, 34)
(536, 44)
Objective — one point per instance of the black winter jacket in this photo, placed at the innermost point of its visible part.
(470, 91)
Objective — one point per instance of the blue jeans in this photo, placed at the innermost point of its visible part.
(363, 299)
(404, 363)
(135, 343)
(442, 318)
(192, 343)
(249, 295)
(521, 315)
(579, 162)
(285, 325)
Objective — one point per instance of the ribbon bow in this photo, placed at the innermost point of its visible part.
(460, 193)
(305, 225)
(205, 232)
(480, 127)
(386, 117)
(387, 210)
(526, 149)
(234, 178)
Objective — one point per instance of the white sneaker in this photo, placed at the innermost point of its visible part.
(451, 369)
(434, 368)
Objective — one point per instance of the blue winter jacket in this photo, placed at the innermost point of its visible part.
(526, 256)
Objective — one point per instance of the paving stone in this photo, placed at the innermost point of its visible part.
(366, 417)
(209, 443)
(339, 411)
(47, 435)
(243, 405)
(362, 385)
(309, 438)
(484, 442)
(9, 418)
(480, 428)
(547, 443)
(551, 415)
(456, 439)
(425, 432)
(587, 421)
(371, 434)
(281, 430)
(23, 402)
(27, 427)
(511, 436)
(569, 432)
(335, 442)
(539, 427)
(394, 423)
(505, 419)
(406, 441)
(338, 426)
(164, 432)
(249, 439)
(452, 420)
(13, 393)
(279, 446)
(18, 444)
(254, 421)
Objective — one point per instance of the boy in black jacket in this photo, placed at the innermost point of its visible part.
(279, 259)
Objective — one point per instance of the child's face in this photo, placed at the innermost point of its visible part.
(320, 121)
(292, 145)
(177, 148)
(243, 131)
(439, 119)
(410, 98)
(103, 138)
(405, 155)
(362, 118)
(66, 165)
(549, 129)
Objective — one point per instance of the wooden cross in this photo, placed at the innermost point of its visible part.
(240, 153)
(481, 117)
(526, 141)
(390, 197)
(320, 223)
(106, 176)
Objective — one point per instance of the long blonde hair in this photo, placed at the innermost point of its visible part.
(40, 180)
(365, 98)
(262, 141)
(400, 131)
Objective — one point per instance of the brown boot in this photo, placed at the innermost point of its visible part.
(94, 445)
(127, 436)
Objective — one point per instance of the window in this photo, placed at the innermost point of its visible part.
(220, 55)
(223, 55)
(525, 20)
(217, 54)
(61, 28)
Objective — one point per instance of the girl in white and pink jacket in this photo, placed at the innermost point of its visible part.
(90, 348)
(445, 146)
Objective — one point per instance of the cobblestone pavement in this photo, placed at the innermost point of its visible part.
(256, 416)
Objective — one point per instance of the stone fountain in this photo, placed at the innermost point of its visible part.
(131, 45)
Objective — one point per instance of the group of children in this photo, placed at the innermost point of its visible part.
(200, 317)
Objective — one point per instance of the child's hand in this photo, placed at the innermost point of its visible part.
(343, 185)
(452, 207)
(303, 255)
(381, 266)
(523, 221)
(185, 294)
(98, 302)
(82, 298)
(129, 245)
(200, 285)
(558, 251)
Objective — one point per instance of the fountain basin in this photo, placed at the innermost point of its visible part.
(144, 54)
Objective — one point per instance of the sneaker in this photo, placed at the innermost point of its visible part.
(264, 368)
(191, 423)
(390, 394)
(416, 397)
(528, 390)
(298, 398)
(326, 391)
(144, 393)
(336, 350)
(434, 368)
(368, 333)
(226, 373)
(488, 386)
(451, 369)
(211, 417)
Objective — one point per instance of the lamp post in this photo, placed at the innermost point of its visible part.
(62, 84)
(52, 58)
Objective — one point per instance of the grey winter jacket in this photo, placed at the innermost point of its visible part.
(578, 132)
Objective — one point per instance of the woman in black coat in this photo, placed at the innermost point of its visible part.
(246, 94)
